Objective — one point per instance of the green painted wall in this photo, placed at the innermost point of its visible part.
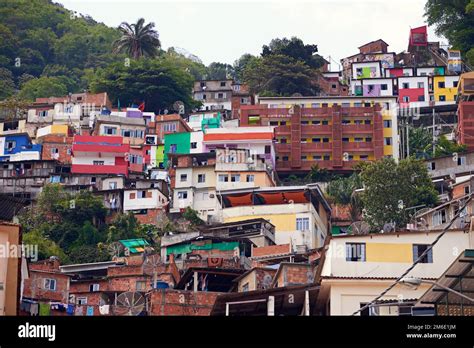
(182, 142)
(187, 248)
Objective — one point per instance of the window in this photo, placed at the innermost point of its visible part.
(201, 178)
(384, 87)
(81, 301)
(222, 83)
(43, 113)
(140, 285)
(421, 98)
(439, 217)
(126, 133)
(250, 178)
(316, 140)
(315, 123)
(461, 161)
(302, 224)
(141, 194)
(204, 97)
(94, 287)
(467, 190)
(346, 122)
(364, 157)
(441, 85)
(317, 157)
(68, 151)
(170, 127)
(325, 140)
(345, 140)
(304, 123)
(285, 158)
(387, 141)
(421, 85)
(93, 180)
(194, 145)
(183, 177)
(235, 177)
(455, 84)
(49, 284)
(98, 163)
(223, 178)
(355, 252)
(182, 194)
(282, 123)
(203, 84)
(273, 123)
(245, 287)
(387, 124)
(405, 85)
(304, 158)
(442, 98)
(325, 122)
(368, 140)
(303, 140)
(220, 96)
(110, 130)
(419, 249)
(54, 150)
(327, 157)
(173, 148)
(11, 144)
(112, 185)
(432, 166)
(268, 149)
(406, 99)
(358, 140)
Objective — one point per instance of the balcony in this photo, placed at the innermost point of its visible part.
(96, 169)
(357, 128)
(358, 146)
(316, 129)
(316, 146)
(283, 130)
(282, 148)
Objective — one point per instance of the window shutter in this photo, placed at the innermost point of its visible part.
(415, 252)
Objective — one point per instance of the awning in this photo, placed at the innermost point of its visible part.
(239, 200)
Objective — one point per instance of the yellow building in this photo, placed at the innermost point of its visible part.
(445, 88)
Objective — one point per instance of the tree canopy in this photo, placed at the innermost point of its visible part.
(391, 189)
(138, 40)
(455, 21)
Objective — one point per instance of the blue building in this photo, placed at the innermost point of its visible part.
(18, 147)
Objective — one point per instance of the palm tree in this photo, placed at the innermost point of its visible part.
(138, 40)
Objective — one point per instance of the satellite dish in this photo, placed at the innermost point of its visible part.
(359, 227)
(115, 249)
(129, 303)
(150, 265)
(267, 281)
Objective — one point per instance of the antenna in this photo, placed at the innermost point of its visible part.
(267, 281)
(360, 227)
(150, 265)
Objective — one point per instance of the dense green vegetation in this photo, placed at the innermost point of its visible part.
(455, 21)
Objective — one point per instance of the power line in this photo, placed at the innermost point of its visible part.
(430, 247)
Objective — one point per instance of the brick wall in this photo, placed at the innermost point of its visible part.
(180, 302)
(60, 142)
(271, 250)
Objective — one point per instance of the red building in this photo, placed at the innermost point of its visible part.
(466, 124)
(334, 137)
(99, 155)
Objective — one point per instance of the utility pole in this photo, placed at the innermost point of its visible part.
(434, 135)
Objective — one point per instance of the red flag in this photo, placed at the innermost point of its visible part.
(142, 106)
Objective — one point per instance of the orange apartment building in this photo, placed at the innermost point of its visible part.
(334, 137)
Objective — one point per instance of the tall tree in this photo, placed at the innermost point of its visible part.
(138, 40)
(391, 188)
(455, 21)
(296, 49)
(219, 71)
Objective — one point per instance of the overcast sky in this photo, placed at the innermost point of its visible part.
(223, 30)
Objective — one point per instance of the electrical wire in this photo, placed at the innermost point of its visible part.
(418, 260)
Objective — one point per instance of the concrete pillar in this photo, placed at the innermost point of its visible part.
(196, 281)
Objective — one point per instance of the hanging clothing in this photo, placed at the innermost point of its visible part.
(44, 309)
(104, 310)
(90, 310)
(70, 309)
(34, 309)
(79, 310)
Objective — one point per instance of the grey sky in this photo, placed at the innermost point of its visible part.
(223, 30)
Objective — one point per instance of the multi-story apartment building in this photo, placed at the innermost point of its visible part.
(18, 147)
(214, 94)
(466, 110)
(258, 140)
(99, 155)
(333, 133)
(195, 178)
(357, 268)
(300, 214)
(131, 129)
